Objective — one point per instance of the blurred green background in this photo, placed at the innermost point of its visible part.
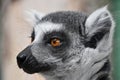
(116, 52)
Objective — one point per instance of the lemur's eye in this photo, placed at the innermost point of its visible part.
(32, 36)
(55, 42)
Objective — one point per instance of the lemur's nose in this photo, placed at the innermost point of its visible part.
(23, 56)
(21, 59)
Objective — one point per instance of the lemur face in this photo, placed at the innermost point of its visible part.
(68, 43)
(53, 42)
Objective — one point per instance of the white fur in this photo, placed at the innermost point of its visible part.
(45, 27)
(100, 13)
(92, 18)
(109, 38)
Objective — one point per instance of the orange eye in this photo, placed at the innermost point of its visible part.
(55, 42)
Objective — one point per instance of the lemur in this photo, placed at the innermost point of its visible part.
(69, 45)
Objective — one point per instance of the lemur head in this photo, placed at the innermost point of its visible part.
(68, 42)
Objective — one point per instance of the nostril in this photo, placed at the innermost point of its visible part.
(21, 59)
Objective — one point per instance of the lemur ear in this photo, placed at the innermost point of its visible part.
(34, 16)
(97, 25)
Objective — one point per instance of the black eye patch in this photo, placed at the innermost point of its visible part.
(62, 36)
(32, 35)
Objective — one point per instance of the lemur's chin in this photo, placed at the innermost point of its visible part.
(31, 68)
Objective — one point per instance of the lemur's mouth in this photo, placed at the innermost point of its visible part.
(32, 66)
(29, 64)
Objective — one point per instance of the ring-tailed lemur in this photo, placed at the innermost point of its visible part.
(70, 45)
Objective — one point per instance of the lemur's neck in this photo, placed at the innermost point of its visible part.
(69, 77)
(102, 74)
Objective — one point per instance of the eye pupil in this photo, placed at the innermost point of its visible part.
(55, 42)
